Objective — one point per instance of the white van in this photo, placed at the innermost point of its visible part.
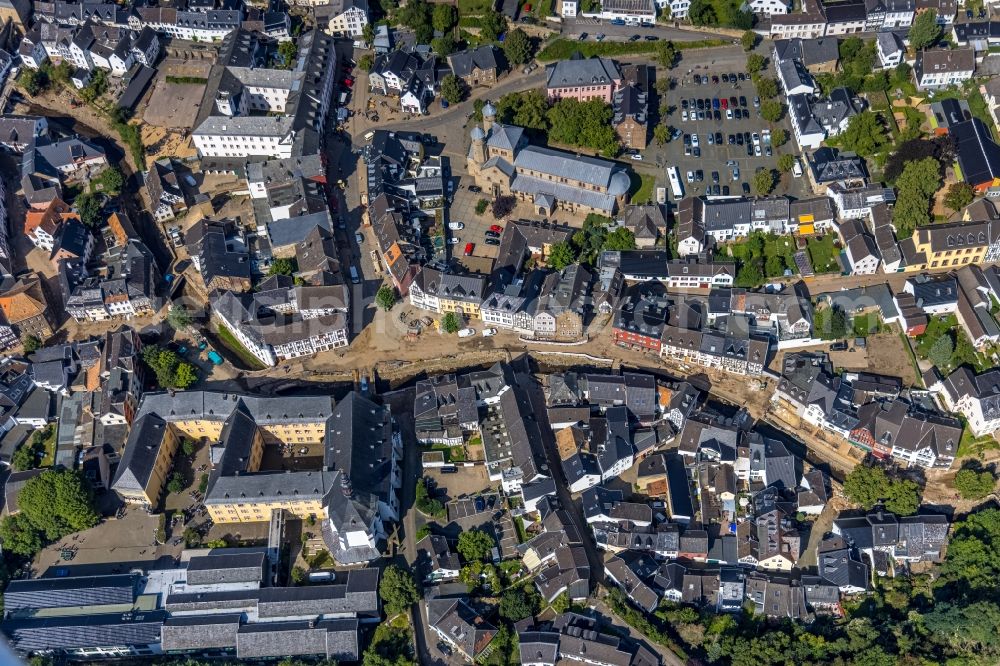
(466, 332)
(797, 168)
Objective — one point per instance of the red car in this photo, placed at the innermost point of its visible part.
(348, 82)
(724, 103)
(497, 228)
(468, 249)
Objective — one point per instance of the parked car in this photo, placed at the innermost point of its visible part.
(637, 157)
(469, 247)
(456, 226)
(488, 332)
(497, 228)
(466, 332)
(360, 238)
(475, 189)
(492, 241)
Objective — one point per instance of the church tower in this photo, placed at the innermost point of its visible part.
(478, 153)
(489, 117)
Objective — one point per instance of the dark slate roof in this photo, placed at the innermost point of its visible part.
(978, 155)
(39, 593)
(200, 632)
(225, 568)
(88, 631)
(144, 441)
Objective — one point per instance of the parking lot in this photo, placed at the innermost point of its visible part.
(470, 507)
(726, 98)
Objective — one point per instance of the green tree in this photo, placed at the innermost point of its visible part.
(30, 343)
(666, 54)
(561, 604)
(445, 44)
(452, 89)
(385, 297)
(766, 87)
(366, 62)
(864, 135)
(34, 81)
(283, 266)
(831, 323)
(748, 40)
(368, 35)
(903, 497)
(88, 207)
(772, 110)
(443, 17)
(287, 51)
(619, 239)
(110, 181)
(176, 484)
(661, 134)
(475, 545)
(527, 109)
(188, 446)
(560, 256)
(397, 590)
(519, 603)
(866, 485)
(915, 188)
(974, 484)
(763, 182)
(481, 206)
(185, 376)
(416, 15)
(755, 63)
(178, 318)
(959, 196)
(702, 12)
(491, 25)
(940, 353)
(785, 163)
(774, 266)
(583, 124)
(25, 457)
(57, 503)
(19, 535)
(517, 47)
(750, 274)
(779, 137)
(450, 323)
(298, 575)
(425, 503)
(924, 31)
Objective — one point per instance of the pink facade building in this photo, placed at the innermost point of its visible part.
(583, 79)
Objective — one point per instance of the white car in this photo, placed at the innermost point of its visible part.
(488, 332)
(456, 226)
(684, 115)
(729, 114)
(637, 157)
(756, 139)
(694, 140)
(466, 332)
(690, 176)
(756, 151)
(454, 240)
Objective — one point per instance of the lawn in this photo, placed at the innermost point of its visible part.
(562, 49)
(643, 187)
(964, 353)
(452, 454)
(970, 445)
(232, 344)
(823, 254)
(467, 7)
(867, 324)
(49, 453)
(936, 327)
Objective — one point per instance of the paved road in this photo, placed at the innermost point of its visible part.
(574, 27)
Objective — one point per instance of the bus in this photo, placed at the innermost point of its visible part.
(675, 183)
